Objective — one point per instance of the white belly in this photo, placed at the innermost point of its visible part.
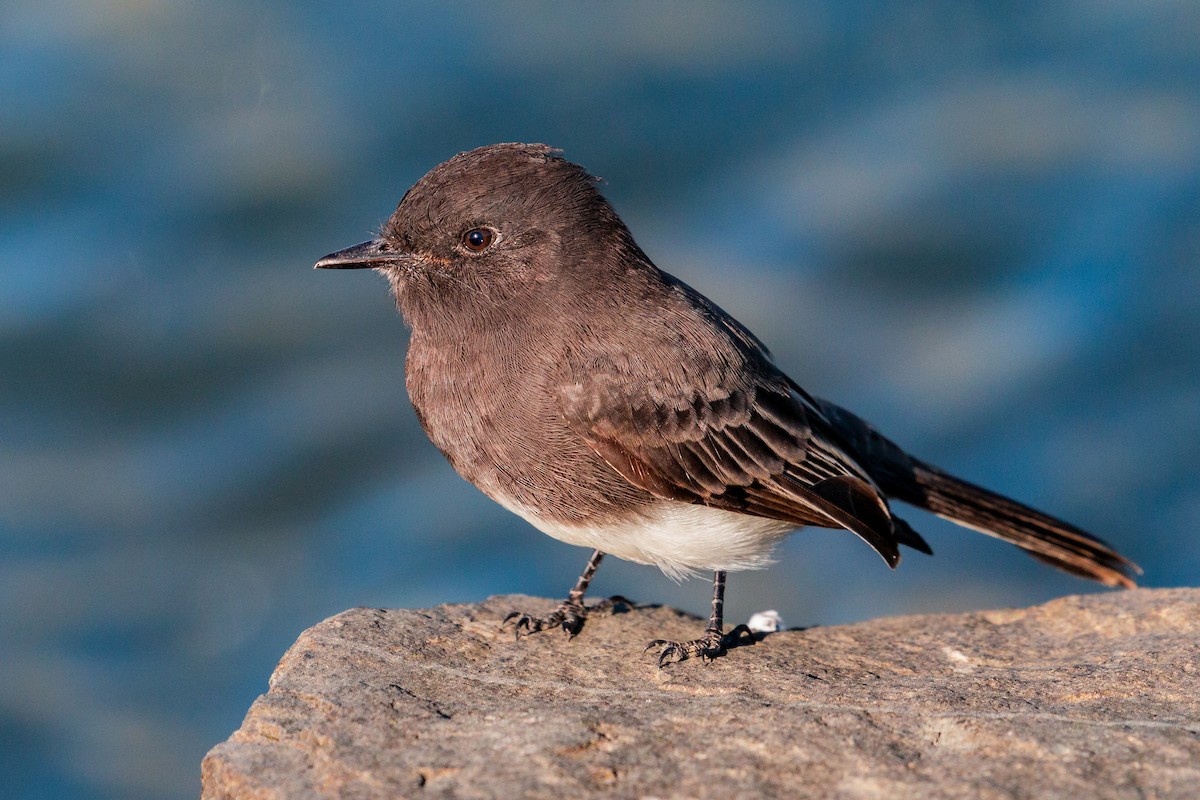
(681, 539)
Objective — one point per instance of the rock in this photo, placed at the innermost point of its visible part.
(1095, 696)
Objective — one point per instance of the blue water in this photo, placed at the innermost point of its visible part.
(979, 229)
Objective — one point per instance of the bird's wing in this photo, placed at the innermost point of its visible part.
(760, 447)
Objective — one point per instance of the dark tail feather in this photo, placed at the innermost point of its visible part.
(905, 478)
(1048, 539)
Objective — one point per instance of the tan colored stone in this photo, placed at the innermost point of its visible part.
(1095, 696)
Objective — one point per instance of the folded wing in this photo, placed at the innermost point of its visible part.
(762, 448)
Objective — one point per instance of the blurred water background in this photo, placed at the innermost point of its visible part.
(978, 228)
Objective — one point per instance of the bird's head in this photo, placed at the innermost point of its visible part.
(489, 225)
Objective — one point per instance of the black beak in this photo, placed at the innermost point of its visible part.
(368, 255)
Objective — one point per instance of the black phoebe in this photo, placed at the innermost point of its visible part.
(615, 407)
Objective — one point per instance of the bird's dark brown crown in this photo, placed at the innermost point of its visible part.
(512, 185)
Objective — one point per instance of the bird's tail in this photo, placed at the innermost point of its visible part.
(1048, 539)
(912, 481)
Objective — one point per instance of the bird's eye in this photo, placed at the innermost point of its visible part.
(478, 239)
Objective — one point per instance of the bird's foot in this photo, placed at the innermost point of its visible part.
(712, 644)
(569, 616)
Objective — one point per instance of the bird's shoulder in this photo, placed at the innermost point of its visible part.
(670, 360)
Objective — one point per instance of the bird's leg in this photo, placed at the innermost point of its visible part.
(713, 643)
(570, 614)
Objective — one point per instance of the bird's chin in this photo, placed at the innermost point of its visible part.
(411, 291)
(399, 279)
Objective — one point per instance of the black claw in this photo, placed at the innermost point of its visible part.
(522, 624)
(708, 647)
(572, 625)
(570, 616)
(671, 654)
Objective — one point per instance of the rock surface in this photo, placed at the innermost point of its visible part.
(1095, 696)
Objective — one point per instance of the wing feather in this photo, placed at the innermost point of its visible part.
(764, 449)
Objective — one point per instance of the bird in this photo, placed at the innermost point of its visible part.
(614, 407)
